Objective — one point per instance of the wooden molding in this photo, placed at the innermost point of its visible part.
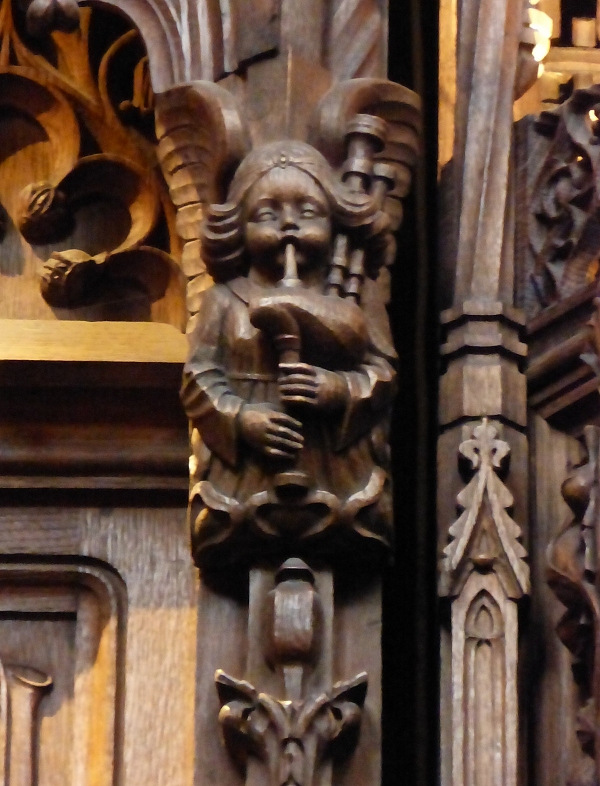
(90, 342)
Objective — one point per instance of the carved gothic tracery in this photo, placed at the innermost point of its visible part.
(84, 213)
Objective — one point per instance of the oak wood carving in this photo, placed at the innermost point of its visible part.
(85, 217)
(482, 448)
(288, 387)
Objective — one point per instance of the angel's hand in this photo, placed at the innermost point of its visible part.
(269, 431)
(300, 383)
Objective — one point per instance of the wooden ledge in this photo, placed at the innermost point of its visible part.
(107, 342)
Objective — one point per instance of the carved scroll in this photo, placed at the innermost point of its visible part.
(84, 214)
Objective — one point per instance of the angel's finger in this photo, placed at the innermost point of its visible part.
(298, 390)
(275, 441)
(299, 399)
(287, 433)
(286, 421)
(297, 368)
(279, 453)
(302, 379)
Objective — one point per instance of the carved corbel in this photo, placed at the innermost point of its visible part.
(290, 467)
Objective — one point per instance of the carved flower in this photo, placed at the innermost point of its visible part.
(68, 277)
(43, 16)
(41, 213)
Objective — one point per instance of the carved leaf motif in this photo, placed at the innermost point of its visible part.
(75, 170)
(304, 732)
(485, 537)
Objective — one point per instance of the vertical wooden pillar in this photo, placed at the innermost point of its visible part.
(482, 450)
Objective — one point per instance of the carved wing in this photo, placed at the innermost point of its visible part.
(397, 105)
(201, 141)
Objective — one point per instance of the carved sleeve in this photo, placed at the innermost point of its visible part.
(206, 394)
(371, 389)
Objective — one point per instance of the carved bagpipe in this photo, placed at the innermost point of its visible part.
(367, 129)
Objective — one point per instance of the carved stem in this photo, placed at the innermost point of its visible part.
(26, 687)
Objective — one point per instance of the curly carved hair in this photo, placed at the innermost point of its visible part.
(222, 232)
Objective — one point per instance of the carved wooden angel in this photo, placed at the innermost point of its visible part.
(291, 375)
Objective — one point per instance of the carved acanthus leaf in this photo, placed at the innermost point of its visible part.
(293, 737)
(485, 537)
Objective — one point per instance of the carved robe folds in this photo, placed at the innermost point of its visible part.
(344, 453)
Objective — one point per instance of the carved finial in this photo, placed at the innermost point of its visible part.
(485, 537)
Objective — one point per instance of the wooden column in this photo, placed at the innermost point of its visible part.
(482, 450)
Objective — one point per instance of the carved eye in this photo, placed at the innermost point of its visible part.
(308, 211)
(264, 214)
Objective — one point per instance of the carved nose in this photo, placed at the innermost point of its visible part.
(288, 218)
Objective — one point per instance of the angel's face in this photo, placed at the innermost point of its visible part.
(286, 206)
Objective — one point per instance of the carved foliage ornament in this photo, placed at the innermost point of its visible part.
(297, 736)
(293, 737)
(90, 146)
(564, 212)
(485, 537)
(573, 576)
